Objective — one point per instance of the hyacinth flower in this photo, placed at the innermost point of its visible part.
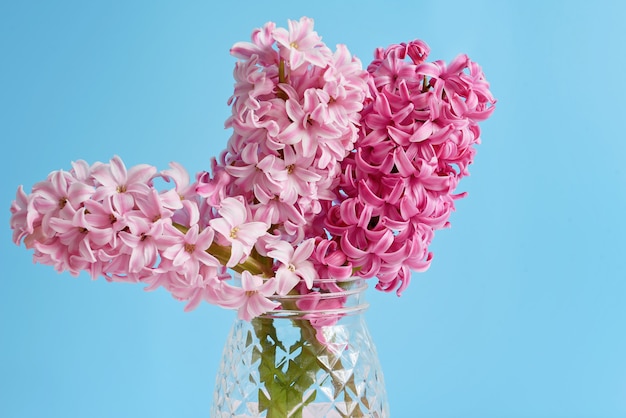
(332, 171)
(294, 265)
(238, 234)
(417, 140)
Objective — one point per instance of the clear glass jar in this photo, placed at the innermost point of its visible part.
(313, 358)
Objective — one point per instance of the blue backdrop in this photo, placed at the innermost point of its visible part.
(522, 312)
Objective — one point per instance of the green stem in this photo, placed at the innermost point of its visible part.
(285, 382)
(333, 364)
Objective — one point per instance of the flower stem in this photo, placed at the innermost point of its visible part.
(282, 77)
(285, 382)
(332, 366)
(288, 373)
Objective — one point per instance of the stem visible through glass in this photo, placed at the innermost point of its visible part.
(286, 382)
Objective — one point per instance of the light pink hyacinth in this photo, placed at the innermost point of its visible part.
(237, 229)
(294, 265)
(301, 45)
(331, 171)
(252, 298)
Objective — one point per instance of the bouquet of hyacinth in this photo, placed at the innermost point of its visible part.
(332, 171)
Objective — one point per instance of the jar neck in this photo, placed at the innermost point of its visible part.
(326, 299)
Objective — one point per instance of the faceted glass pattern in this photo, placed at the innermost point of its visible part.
(291, 366)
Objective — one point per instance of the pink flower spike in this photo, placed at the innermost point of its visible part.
(234, 229)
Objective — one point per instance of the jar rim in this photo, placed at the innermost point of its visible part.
(315, 314)
(356, 286)
(350, 301)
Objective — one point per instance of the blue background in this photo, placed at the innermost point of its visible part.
(522, 313)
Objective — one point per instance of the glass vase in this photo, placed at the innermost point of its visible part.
(312, 358)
